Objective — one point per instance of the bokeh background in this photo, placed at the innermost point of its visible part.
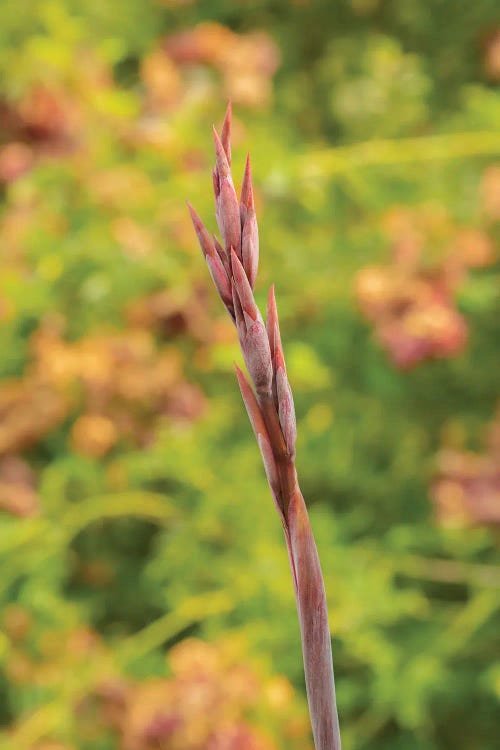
(145, 596)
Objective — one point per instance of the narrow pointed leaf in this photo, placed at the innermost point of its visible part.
(206, 243)
(222, 255)
(251, 404)
(216, 184)
(260, 431)
(250, 247)
(271, 470)
(239, 317)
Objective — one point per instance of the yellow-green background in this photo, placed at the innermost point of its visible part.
(136, 513)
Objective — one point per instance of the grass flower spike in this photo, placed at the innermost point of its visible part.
(233, 266)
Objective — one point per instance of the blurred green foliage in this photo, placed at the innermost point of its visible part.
(135, 509)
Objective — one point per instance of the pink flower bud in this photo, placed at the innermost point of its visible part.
(273, 331)
(246, 200)
(221, 162)
(250, 246)
(245, 294)
(228, 217)
(257, 355)
(286, 410)
(273, 328)
(226, 203)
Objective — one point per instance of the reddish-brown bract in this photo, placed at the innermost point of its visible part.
(272, 415)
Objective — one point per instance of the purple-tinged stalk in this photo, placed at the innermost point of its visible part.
(233, 267)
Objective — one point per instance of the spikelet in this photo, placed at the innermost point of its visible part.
(233, 266)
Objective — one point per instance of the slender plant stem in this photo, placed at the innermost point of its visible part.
(233, 266)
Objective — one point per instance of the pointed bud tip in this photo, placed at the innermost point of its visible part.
(245, 387)
(234, 258)
(279, 360)
(220, 154)
(216, 137)
(229, 112)
(247, 187)
(226, 133)
(272, 313)
(196, 219)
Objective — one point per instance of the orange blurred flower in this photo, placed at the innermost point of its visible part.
(93, 435)
(246, 61)
(162, 80)
(411, 301)
(17, 487)
(490, 192)
(466, 490)
(29, 409)
(15, 159)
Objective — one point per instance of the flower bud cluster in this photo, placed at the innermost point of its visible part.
(233, 265)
